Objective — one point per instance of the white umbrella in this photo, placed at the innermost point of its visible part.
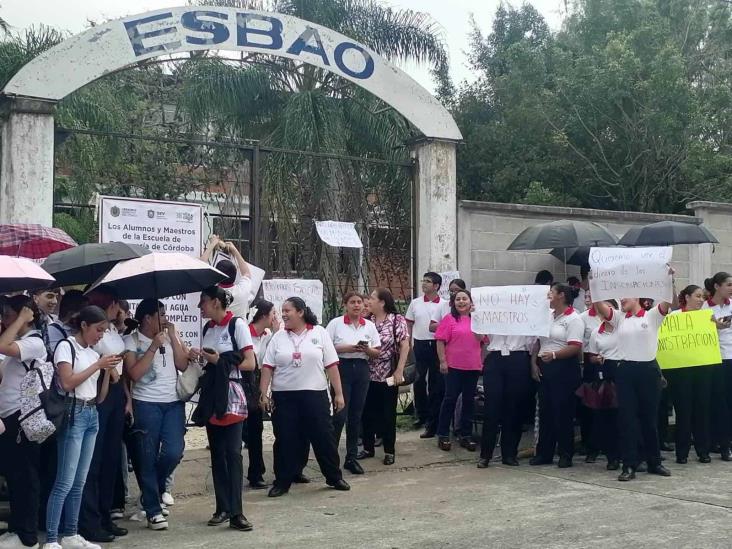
(19, 273)
(159, 275)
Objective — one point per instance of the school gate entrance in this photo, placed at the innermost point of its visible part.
(416, 197)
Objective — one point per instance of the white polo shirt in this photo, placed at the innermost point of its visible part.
(85, 357)
(592, 322)
(566, 329)
(509, 344)
(344, 332)
(260, 342)
(31, 348)
(316, 354)
(421, 312)
(241, 292)
(579, 302)
(604, 341)
(638, 334)
(725, 336)
(217, 336)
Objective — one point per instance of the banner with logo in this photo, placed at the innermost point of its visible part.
(160, 227)
(688, 339)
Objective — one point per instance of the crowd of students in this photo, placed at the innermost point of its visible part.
(120, 376)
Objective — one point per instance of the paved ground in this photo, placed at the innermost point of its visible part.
(434, 499)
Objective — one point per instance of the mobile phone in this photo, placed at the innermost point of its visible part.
(726, 318)
(208, 350)
(363, 343)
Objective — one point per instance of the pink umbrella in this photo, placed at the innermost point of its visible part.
(33, 241)
(18, 273)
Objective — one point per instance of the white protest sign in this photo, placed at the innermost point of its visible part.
(279, 290)
(631, 272)
(160, 227)
(447, 278)
(338, 234)
(256, 274)
(511, 310)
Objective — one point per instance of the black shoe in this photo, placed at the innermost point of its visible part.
(726, 454)
(115, 530)
(99, 536)
(705, 458)
(483, 463)
(257, 484)
(537, 460)
(388, 459)
(218, 518)
(627, 474)
(591, 457)
(240, 523)
(682, 461)
(277, 491)
(428, 433)
(353, 466)
(365, 454)
(613, 465)
(666, 447)
(659, 470)
(418, 423)
(340, 485)
(564, 462)
(301, 479)
(642, 467)
(468, 444)
(513, 462)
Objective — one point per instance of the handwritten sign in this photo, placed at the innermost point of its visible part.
(631, 272)
(511, 310)
(279, 290)
(688, 339)
(338, 234)
(447, 278)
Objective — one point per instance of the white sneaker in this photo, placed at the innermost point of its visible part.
(51, 546)
(164, 510)
(158, 522)
(138, 516)
(77, 542)
(168, 499)
(11, 541)
(117, 514)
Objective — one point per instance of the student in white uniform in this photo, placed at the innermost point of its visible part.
(300, 363)
(720, 290)
(638, 383)
(78, 366)
(239, 281)
(22, 343)
(592, 321)
(555, 365)
(356, 341)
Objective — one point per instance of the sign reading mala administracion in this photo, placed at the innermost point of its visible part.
(160, 227)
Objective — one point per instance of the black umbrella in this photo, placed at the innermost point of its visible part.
(668, 233)
(86, 263)
(563, 234)
(574, 256)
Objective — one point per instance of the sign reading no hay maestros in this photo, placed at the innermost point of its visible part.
(117, 44)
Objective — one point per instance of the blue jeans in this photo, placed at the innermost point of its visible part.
(163, 425)
(75, 450)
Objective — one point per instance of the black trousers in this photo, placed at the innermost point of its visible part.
(604, 436)
(458, 383)
(379, 416)
(506, 385)
(226, 467)
(721, 406)
(691, 394)
(639, 391)
(355, 382)
(20, 465)
(429, 385)
(557, 405)
(96, 502)
(299, 418)
(254, 426)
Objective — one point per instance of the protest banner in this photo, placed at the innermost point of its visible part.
(338, 234)
(511, 310)
(447, 278)
(631, 272)
(688, 339)
(256, 274)
(279, 290)
(160, 227)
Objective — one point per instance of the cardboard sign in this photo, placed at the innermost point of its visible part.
(279, 290)
(688, 339)
(511, 310)
(631, 272)
(447, 278)
(338, 234)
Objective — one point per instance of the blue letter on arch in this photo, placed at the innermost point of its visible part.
(367, 71)
(301, 44)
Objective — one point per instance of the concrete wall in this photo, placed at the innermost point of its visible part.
(485, 230)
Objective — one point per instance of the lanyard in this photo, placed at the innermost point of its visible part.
(297, 355)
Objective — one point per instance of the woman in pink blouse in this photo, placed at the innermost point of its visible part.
(459, 350)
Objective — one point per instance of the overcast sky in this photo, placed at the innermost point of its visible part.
(453, 15)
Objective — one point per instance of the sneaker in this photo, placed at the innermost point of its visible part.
(158, 522)
(77, 542)
(11, 541)
(164, 510)
(51, 546)
(117, 514)
(167, 499)
(138, 516)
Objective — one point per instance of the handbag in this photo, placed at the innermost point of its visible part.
(410, 368)
(187, 383)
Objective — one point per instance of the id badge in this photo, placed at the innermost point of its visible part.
(296, 356)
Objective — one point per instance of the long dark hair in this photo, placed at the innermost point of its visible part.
(299, 304)
(146, 307)
(264, 307)
(223, 297)
(686, 293)
(717, 280)
(453, 310)
(91, 314)
(569, 293)
(71, 303)
(383, 294)
(16, 304)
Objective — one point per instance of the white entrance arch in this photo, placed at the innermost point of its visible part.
(26, 173)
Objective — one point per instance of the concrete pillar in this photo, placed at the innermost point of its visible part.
(436, 208)
(26, 162)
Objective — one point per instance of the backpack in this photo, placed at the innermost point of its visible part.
(232, 332)
(37, 382)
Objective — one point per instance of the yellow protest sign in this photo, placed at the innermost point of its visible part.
(688, 339)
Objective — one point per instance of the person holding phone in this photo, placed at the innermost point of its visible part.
(356, 341)
(155, 355)
(78, 367)
(299, 364)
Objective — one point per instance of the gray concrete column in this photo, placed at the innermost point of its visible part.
(26, 162)
(436, 210)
